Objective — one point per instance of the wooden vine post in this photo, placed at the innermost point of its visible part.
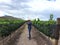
(57, 31)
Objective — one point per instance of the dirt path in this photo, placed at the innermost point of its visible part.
(37, 38)
(23, 40)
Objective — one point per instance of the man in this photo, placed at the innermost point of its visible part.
(29, 28)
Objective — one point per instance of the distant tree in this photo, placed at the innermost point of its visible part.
(38, 19)
(34, 21)
(51, 16)
(51, 21)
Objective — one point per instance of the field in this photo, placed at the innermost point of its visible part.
(7, 26)
(46, 27)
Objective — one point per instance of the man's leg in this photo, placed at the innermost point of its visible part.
(29, 34)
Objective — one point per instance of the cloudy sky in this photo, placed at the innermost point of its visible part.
(30, 9)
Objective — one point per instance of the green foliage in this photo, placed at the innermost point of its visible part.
(7, 26)
(45, 27)
(51, 16)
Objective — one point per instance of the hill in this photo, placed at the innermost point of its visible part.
(9, 17)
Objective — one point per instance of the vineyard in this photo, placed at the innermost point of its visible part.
(7, 26)
(12, 31)
(46, 27)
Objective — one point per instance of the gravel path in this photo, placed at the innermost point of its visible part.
(23, 40)
(36, 38)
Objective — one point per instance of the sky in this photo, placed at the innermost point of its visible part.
(30, 9)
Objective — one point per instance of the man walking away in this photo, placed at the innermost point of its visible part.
(29, 28)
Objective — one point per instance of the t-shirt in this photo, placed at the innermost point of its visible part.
(29, 25)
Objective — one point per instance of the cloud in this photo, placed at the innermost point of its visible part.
(28, 9)
(51, 0)
(14, 8)
(2, 13)
(42, 5)
(5, 1)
